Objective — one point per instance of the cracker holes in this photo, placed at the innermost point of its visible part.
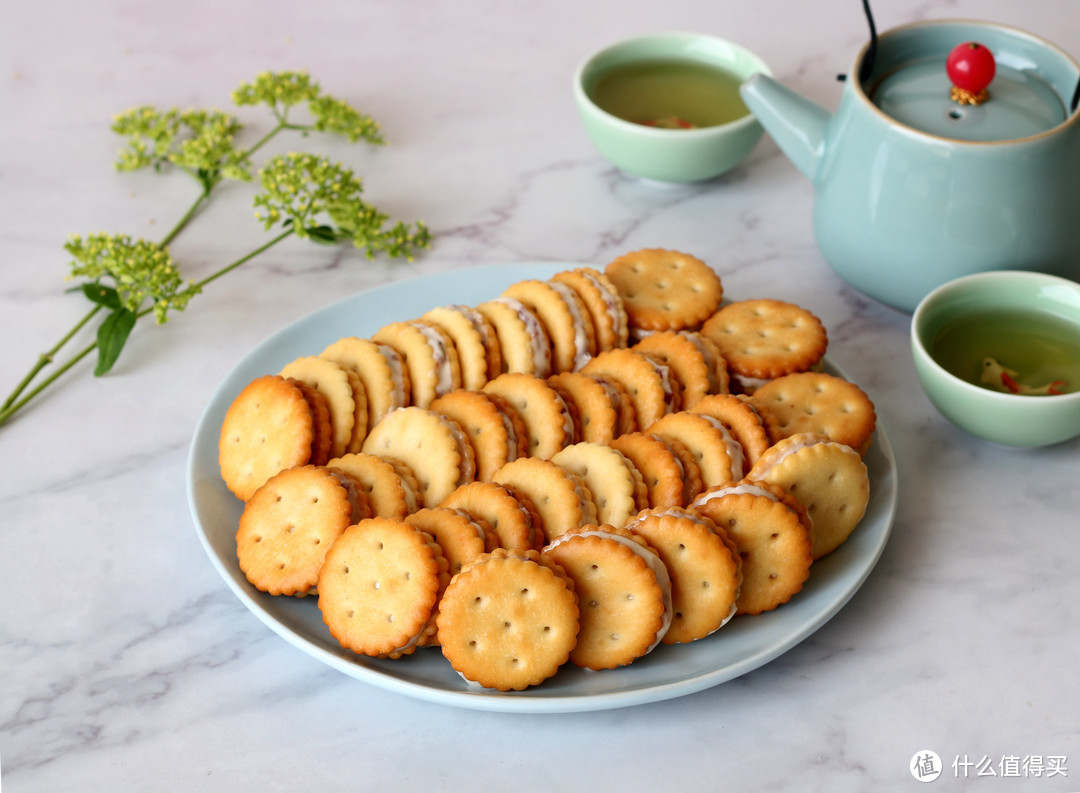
(593, 604)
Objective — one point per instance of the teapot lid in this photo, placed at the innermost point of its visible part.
(909, 82)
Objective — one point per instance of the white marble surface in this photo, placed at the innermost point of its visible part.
(127, 664)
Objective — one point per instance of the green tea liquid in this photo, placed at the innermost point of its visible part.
(647, 91)
(1040, 348)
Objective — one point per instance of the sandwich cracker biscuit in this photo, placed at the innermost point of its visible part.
(434, 447)
(819, 403)
(664, 289)
(268, 427)
(772, 540)
(624, 594)
(705, 573)
(829, 479)
(381, 370)
(614, 481)
(508, 620)
(290, 523)
(603, 302)
(561, 498)
(379, 588)
(764, 339)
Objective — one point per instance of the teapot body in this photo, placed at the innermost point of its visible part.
(897, 212)
(903, 206)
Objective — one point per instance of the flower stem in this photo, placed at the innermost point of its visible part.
(11, 406)
(266, 138)
(45, 359)
(243, 259)
(203, 197)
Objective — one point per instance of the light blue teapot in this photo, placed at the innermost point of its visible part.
(912, 189)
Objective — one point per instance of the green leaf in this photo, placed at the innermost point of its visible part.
(111, 337)
(324, 235)
(102, 295)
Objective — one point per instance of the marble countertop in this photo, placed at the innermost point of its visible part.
(126, 663)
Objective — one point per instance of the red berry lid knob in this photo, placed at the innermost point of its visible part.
(971, 69)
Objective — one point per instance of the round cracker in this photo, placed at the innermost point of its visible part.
(430, 357)
(333, 381)
(624, 595)
(649, 384)
(549, 424)
(495, 430)
(288, 526)
(741, 417)
(391, 489)
(433, 446)
(716, 451)
(603, 302)
(566, 321)
(819, 403)
(773, 544)
(509, 513)
(705, 575)
(561, 498)
(829, 479)
(670, 479)
(474, 339)
(597, 405)
(665, 290)
(508, 621)
(381, 370)
(614, 481)
(379, 587)
(267, 428)
(687, 359)
(523, 343)
(763, 339)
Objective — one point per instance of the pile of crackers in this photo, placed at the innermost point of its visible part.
(576, 471)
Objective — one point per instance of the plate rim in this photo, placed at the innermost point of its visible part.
(483, 699)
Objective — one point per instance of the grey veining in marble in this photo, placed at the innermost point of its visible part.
(126, 664)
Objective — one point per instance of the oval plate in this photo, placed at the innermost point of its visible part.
(744, 644)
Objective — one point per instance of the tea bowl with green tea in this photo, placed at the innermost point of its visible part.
(998, 354)
(666, 107)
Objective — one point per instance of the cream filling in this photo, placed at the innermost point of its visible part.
(468, 461)
(480, 532)
(351, 490)
(652, 561)
(581, 338)
(541, 349)
(476, 319)
(733, 447)
(568, 419)
(399, 395)
(665, 382)
(444, 372)
(711, 366)
(743, 488)
(792, 448)
(611, 302)
(512, 440)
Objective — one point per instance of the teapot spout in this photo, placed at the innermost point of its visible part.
(796, 124)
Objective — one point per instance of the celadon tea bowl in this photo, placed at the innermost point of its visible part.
(912, 189)
(1010, 419)
(660, 154)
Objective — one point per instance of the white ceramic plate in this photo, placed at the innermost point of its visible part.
(741, 646)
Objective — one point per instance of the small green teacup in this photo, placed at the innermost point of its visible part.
(625, 97)
(998, 354)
